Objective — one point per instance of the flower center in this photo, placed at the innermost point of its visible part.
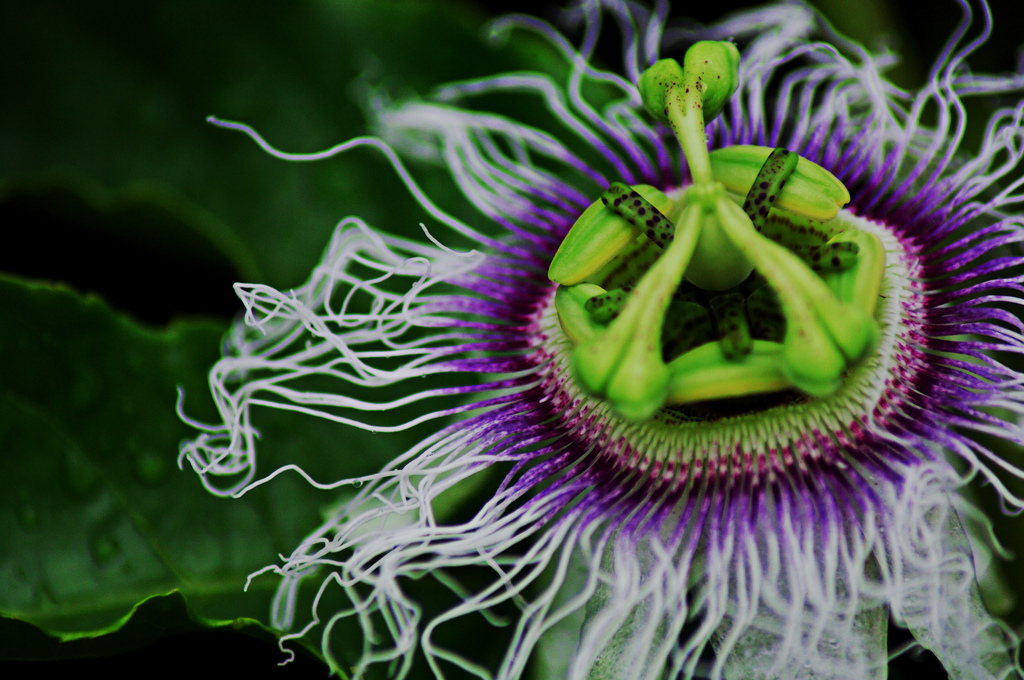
(760, 430)
(744, 283)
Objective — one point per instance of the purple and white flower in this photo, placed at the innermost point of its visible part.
(774, 542)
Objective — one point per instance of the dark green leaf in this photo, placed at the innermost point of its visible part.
(112, 100)
(108, 161)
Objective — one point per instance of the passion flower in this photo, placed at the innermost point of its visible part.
(729, 369)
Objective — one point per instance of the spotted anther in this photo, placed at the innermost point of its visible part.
(829, 257)
(731, 323)
(770, 180)
(605, 307)
(639, 212)
(687, 325)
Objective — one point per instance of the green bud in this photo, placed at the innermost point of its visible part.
(710, 69)
(716, 65)
(639, 385)
(853, 331)
(811, 190)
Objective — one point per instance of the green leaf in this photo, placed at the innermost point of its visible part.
(114, 110)
(88, 436)
(102, 517)
(109, 136)
(154, 617)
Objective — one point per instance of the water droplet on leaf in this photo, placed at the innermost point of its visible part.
(82, 478)
(104, 549)
(27, 513)
(150, 467)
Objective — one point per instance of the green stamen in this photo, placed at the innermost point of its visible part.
(624, 363)
(821, 330)
(570, 303)
(811, 191)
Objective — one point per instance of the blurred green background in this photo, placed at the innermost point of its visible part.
(127, 218)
